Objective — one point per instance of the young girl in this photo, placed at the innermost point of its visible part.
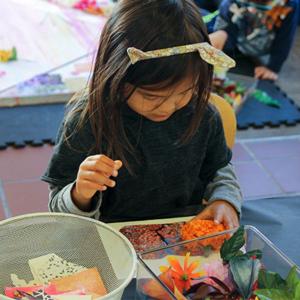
(143, 140)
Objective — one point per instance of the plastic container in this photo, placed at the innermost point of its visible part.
(150, 261)
(79, 240)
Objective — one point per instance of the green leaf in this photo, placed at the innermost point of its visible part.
(264, 98)
(245, 273)
(292, 279)
(270, 280)
(257, 253)
(231, 247)
(273, 294)
(240, 89)
(239, 253)
(274, 287)
(297, 292)
(14, 54)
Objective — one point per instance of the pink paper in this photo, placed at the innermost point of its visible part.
(48, 289)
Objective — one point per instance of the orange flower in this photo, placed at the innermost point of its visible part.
(182, 276)
(197, 228)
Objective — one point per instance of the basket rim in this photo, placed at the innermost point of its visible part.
(87, 219)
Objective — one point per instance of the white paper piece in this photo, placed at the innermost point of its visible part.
(51, 266)
(16, 281)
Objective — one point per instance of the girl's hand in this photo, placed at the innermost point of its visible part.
(221, 212)
(262, 72)
(94, 175)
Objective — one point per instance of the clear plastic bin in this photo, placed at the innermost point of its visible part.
(150, 261)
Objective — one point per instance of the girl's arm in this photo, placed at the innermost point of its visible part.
(224, 198)
(222, 191)
(60, 200)
(225, 186)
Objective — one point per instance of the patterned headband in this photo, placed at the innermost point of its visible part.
(207, 52)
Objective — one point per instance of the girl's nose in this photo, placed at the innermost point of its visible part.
(168, 106)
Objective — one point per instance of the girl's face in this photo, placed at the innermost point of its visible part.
(159, 104)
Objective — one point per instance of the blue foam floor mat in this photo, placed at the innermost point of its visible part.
(257, 115)
(33, 125)
(38, 124)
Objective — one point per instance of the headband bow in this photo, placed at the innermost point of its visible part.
(207, 52)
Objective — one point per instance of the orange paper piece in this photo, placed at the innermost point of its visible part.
(198, 228)
(89, 280)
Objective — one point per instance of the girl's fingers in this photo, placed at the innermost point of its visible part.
(218, 215)
(266, 75)
(273, 76)
(259, 74)
(200, 216)
(102, 158)
(94, 186)
(228, 223)
(104, 164)
(118, 164)
(100, 166)
(231, 220)
(97, 178)
(236, 222)
(204, 215)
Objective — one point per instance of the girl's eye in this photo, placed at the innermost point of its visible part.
(187, 91)
(154, 98)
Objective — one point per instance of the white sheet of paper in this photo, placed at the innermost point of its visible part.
(51, 266)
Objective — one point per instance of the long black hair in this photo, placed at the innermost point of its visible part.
(146, 25)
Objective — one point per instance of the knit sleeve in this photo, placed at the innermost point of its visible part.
(218, 155)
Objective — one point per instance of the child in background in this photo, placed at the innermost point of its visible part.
(261, 29)
(143, 140)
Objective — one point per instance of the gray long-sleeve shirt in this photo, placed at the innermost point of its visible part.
(167, 175)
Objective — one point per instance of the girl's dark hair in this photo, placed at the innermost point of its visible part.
(146, 25)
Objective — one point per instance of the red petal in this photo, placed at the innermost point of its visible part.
(180, 284)
(187, 285)
(176, 275)
(194, 265)
(175, 264)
